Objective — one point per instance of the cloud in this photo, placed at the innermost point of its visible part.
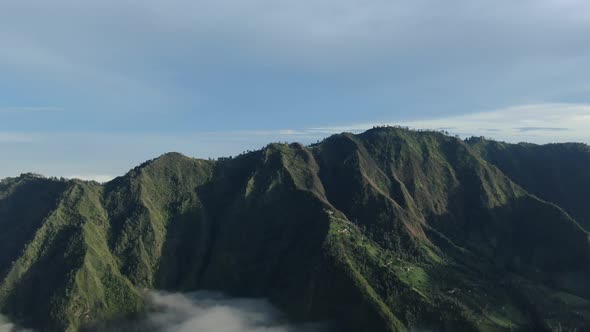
(17, 137)
(317, 34)
(97, 155)
(26, 109)
(325, 32)
(208, 312)
(7, 326)
(92, 177)
(537, 123)
(525, 129)
(152, 55)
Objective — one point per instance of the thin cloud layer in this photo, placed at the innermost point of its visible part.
(325, 32)
(537, 123)
(96, 87)
(527, 129)
(235, 63)
(113, 155)
(100, 178)
(7, 326)
(545, 123)
(208, 312)
(17, 137)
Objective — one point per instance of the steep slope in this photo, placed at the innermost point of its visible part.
(65, 273)
(148, 208)
(557, 173)
(478, 224)
(18, 220)
(384, 231)
(478, 206)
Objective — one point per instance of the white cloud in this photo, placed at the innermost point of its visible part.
(92, 177)
(536, 123)
(17, 137)
(318, 34)
(7, 326)
(217, 59)
(94, 156)
(210, 312)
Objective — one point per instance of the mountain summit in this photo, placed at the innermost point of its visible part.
(388, 230)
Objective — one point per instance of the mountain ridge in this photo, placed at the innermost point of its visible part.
(386, 230)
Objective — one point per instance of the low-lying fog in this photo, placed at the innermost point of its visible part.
(198, 312)
(7, 326)
(209, 312)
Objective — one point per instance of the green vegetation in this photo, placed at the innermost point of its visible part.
(557, 173)
(389, 230)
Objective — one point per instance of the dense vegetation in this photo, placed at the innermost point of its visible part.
(388, 230)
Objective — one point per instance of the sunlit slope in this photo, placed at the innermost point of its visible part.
(388, 230)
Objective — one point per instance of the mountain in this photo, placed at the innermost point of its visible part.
(557, 173)
(388, 230)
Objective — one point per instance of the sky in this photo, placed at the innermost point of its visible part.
(90, 89)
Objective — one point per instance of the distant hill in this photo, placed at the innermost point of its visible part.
(388, 230)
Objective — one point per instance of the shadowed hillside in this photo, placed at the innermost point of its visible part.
(557, 173)
(387, 230)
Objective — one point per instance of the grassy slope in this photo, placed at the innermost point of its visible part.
(485, 225)
(66, 270)
(383, 231)
(17, 220)
(557, 173)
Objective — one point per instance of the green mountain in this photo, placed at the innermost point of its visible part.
(557, 173)
(388, 230)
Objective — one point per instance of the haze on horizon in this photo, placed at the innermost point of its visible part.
(90, 90)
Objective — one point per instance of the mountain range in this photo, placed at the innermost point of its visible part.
(388, 230)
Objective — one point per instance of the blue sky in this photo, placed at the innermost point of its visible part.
(90, 89)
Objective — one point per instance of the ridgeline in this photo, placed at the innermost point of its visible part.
(388, 230)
